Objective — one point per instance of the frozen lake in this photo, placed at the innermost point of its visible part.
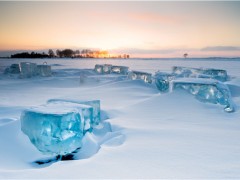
(153, 135)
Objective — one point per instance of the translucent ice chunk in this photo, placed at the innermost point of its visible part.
(218, 74)
(146, 77)
(44, 70)
(210, 73)
(207, 90)
(94, 103)
(85, 111)
(186, 71)
(103, 68)
(13, 69)
(163, 80)
(120, 69)
(53, 129)
(28, 69)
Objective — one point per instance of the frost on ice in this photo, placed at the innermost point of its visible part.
(95, 104)
(85, 111)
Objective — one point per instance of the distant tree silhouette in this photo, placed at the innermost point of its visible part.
(58, 53)
(185, 55)
(51, 53)
(68, 53)
(31, 55)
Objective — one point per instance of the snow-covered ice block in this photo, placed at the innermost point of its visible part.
(28, 69)
(146, 77)
(13, 69)
(186, 71)
(218, 74)
(85, 111)
(120, 69)
(207, 90)
(103, 68)
(44, 70)
(95, 104)
(163, 81)
(53, 129)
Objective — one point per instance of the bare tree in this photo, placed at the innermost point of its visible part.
(185, 55)
(51, 53)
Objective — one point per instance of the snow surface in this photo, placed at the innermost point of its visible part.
(144, 134)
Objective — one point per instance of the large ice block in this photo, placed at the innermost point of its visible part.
(28, 69)
(85, 111)
(186, 71)
(95, 104)
(218, 74)
(211, 73)
(13, 69)
(44, 70)
(146, 77)
(103, 68)
(53, 129)
(163, 81)
(207, 90)
(120, 69)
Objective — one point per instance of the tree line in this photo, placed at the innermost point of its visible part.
(69, 53)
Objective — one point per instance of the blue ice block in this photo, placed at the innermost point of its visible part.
(211, 73)
(218, 74)
(44, 70)
(95, 104)
(53, 129)
(163, 81)
(27, 69)
(103, 68)
(119, 70)
(135, 75)
(180, 71)
(207, 90)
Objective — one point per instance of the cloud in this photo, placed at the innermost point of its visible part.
(221, 48)
(147, 16)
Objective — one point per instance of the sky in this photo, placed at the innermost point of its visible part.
(141, 29)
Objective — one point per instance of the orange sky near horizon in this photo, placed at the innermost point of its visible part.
(142, 29)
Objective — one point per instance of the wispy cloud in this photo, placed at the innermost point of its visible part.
(221, 48)
(148, 16)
